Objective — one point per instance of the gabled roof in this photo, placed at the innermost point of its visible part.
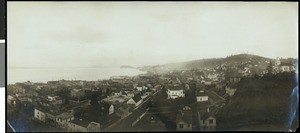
(204, 114)
(175, 88)
(286, 64)
(201, 93)
(81, 122)
(137, 98)
(65, 115)
(185, 116)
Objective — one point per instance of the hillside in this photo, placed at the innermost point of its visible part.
(259, 101)
(207, 63)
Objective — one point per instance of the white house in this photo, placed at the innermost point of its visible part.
(175, 92)
(111, 109)
(202, 96)
(63, 119)
(39, 115)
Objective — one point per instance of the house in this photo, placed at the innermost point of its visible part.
(63, 119)
(130, 94)
(136, 100)
(123, 111)
(202, 96)
(286, 67)
(207, 121)
(175, 92)
(230, 90)
(106, 108)
(155, 124)
(82, 125)
(219, 86)
(141, 87)
(39, 114)
(55, 100)
(11, 99)
(148, 92)
(212, 76)
(77, 93)
(207, 82)
(184, 120)
(117, 94)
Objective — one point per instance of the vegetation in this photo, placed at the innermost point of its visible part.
(262, 100)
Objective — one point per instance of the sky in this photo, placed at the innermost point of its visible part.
(105, 34)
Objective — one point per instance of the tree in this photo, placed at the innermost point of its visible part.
(94, 99)
(164, 92)
(270, 68)
(65, 94)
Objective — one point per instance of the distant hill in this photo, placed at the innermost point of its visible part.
(207, 63)
(259, 101)
(127, 66)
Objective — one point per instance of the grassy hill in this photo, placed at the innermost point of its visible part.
(258, 101)
(207, 63)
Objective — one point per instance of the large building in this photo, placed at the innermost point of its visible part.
(39, 115)
(175, 92)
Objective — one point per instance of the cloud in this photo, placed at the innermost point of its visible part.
(77, 35)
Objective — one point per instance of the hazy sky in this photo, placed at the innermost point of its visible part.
(86, 34)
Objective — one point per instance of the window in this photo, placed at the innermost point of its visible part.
(211, 121)
(180, 125)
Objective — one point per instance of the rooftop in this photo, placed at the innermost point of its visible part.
(65, 115)
(186, 116)
(175, 88)
(81, 122)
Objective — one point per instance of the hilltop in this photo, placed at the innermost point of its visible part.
(211, 62)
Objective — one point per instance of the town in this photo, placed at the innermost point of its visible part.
(174, 100)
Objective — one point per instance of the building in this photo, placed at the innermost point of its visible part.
(106, 108)
(122, 111)
(155, 124)
(286, 67)
(141, 87)
(136, 100)
(230, 90)
(77, 93)
(63, 119)
(175, 92)
(39, 115)
(11, 100)
(184, 120)
(207, 120)
(80, 125)
(202, 96)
